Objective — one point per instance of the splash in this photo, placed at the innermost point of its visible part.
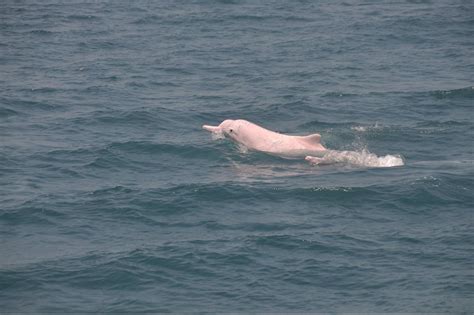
(216, 135)
(366, 128)
(363, 158)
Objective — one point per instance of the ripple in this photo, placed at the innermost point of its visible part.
(7, 112)
(467, 92)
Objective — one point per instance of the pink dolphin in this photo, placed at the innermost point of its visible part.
(258, 138)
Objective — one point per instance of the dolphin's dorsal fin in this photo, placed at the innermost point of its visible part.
(314, 138)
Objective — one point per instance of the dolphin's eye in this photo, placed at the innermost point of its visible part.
(232, 130)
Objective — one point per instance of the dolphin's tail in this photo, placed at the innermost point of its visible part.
(363, 158)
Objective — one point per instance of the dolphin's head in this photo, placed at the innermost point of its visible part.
(228, 128)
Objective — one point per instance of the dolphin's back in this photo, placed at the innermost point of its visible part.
(259, 138)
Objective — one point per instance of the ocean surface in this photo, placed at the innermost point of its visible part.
(113, 198)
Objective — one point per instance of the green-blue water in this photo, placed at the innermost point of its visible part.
(113, 199)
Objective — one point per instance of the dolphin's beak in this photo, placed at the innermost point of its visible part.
(211, 128)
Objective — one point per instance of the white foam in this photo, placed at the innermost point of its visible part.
(359, 128)
(366, 128)
(363, 158)
(242, 148)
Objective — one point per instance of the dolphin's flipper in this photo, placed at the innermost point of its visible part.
(314, 138)
(211, 128)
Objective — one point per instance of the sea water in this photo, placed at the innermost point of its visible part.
(113, 199)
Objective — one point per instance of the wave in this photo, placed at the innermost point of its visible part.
(42, 32)
(157, 118)
(133, 154)
(7, 112)
(28, 105)
(146, 148)
(467, 92)
(80, 17)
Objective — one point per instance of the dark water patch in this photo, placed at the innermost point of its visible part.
(107, 160)
(175, 70)
(407, 94)
(467, 93)
(42, 32)
(441, 190)
(156, 119)
(76, 156)
(7, 112)
(231, 192)
(29, 105)
(253, 227)
(249, 17)
(162, 84)
(30, 213)
(44, 90)
(133, 117)
(100, 45)
(442, 125)
(185, 151)
(83, 17)
(339, 94)
(266, 18)
(150, 19)
(292, 243)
